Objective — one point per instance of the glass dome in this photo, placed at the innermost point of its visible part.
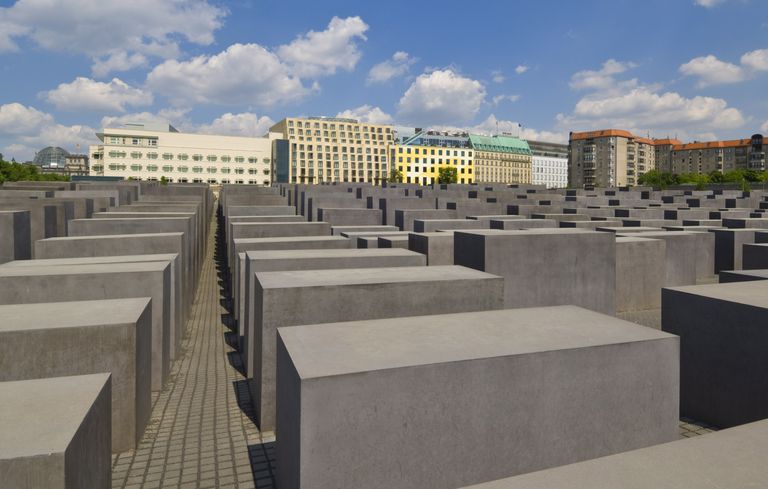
(51, 157)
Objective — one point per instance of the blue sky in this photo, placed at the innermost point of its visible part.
(697, 69)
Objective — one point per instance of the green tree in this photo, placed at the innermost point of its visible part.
(163, 180)
(395, 176)
(447, 174)
(14, 172)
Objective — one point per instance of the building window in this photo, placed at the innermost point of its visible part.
(135, 167)
(211, 158)
(239, 171)
(253, 160)
(136, 155)
(152, 156)
(239, 159)
(167, 156)
(226, 170)
(152, 142)
(197, 157)
(152, 168)
(168, 168)
(197, 169)
(183, 169)
(211, 169)
(183, 157)
(226, 159)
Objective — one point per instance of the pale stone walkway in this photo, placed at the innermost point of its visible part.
(199, 436)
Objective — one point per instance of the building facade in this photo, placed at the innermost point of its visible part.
(329, 149)
(501, 159)
(154, 151)
(549, 164)
(608, 158)
(420, 157)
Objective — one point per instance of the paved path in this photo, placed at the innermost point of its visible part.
(199, 436)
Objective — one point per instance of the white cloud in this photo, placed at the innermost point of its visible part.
(24, 130)
(756, 60)
(397, 66)
(712, 71)
(601, 79)
(500, 98)
(497, 76)
(441, 97)
(634, 106)
(764, 127)
(119, 61)
(492, 125)
(175, 117)
(243, 124)
(521, 69)
(244, 74)
(86, 94)
(367, 113)
(322, 53)
(708, 3)
(110, 31)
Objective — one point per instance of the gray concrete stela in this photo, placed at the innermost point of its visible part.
(201, 433)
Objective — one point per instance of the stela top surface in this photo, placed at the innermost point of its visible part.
(52, 315)
(331, 253)
(361, 346)
(113, 236)
(90, 260)
(97, 268)
(751, 293)
(283, 239)
(40, 417)
(369, 276)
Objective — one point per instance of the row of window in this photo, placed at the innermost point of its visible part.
(333, 135)
(439, 161)
(133, 141)
(416, 151)
(136, 155)
(425, 169)
(335, 149)
(332, 126)
(180, 169)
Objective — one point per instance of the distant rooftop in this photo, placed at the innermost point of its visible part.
(148, 126)
(502, 144)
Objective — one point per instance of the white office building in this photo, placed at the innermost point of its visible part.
(549, 164)
(153, 151)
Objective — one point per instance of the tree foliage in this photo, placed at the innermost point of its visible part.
(663, 180)
(447, 174)
(395, 176)
(15, 172)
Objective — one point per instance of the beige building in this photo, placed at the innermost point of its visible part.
(501, 159)
(608, 158)
(721, 156)
(154, 151)
(329, 149)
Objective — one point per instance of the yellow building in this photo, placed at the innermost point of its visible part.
(501, 159)
(421, 164)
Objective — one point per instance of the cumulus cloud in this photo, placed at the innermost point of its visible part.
(86, 94)
(367, 113)
(497, 76)
(708, 3)
(441, 97)
(712, 71)
(24, 130)
(501, 98)
(110, 31)
(175, 117)
(397, 66)
(244, 74)
(630, 105)
(492, 125)
(521, 69)
(601, 79)
(322, 53)
(764, 127)
(756, 60)
(243, 124)
(253, 75)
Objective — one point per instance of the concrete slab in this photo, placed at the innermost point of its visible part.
(57, 339)
(319, 296)
(64, 283)
(545, 267)
(722, 350)
(15, 236)
(55, 433)
(640, 273)
(404, 401)
(728, 458)
(437, 247)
